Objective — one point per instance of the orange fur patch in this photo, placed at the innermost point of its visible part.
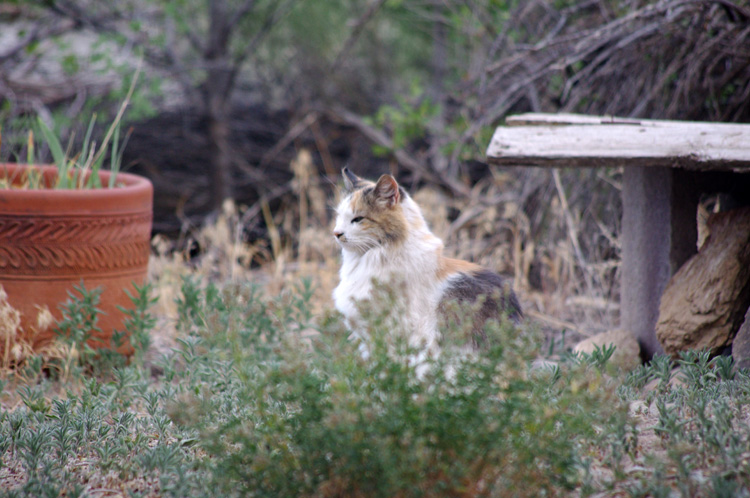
(448, 267)
(387, 223)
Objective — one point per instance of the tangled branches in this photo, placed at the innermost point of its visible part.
(664, 59)
(670, 59)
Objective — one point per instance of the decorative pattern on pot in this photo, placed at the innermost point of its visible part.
(62, 246)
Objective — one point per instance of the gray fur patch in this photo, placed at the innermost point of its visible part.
(488, 296)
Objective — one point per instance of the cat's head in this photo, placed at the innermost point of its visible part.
(372, 214)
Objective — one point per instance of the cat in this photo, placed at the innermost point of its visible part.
(384, 238)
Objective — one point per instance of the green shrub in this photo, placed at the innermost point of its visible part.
(700, 424)
(78, 330)
(306, 415)
(261, 398)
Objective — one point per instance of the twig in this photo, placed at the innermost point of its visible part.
(356, 32)
(280, 10)
(120, 112)
(295, 131)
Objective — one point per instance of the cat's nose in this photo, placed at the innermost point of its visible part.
(337, 234)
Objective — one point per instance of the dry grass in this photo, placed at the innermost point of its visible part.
(18, 346)
(537, 236)
(540, 228)
(543, 229)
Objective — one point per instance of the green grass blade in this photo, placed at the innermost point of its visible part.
(114, 157)
(92, 165)
(87, 138)
(58, 156)
(53, 143)
(118, 164)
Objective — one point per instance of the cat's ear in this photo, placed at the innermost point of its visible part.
(351, 181)
(387, 193)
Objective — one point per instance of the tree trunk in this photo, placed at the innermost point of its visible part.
(218, 88)
(436, 91)
(221, 158)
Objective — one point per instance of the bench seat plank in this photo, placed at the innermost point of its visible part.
(554, 142)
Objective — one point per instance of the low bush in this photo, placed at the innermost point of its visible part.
(694, 421)
(303, 414)
(261, 398)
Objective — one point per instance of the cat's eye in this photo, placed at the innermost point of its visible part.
(357, 219)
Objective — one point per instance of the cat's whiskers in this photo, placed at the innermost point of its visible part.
(362, 246)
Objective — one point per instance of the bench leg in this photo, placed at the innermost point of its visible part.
(659, 234)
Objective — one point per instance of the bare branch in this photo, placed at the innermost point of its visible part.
(596, 59)
(281, 9)
(241, 12)
(40, 31)
(342, 115)
(356, 32)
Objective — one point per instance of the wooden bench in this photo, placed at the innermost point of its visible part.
(667, 165)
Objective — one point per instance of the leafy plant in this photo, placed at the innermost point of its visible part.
(316, 419)
(262, 397)
(139, 322)
(79, 326)
(701, 448)
(407, 120)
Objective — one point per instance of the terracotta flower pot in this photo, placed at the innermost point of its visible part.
(51, 240)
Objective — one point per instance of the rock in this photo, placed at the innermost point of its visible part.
(741, 344)
(704, 303)
(627, 352)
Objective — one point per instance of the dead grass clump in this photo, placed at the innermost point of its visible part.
(18, 345)
(298, 245)
(15, 346)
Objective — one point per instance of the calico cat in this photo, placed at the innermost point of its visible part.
(384, 238)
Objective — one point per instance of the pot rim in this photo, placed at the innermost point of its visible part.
(135, 195)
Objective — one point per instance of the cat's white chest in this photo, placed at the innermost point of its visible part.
(356, 278)
(411, 273)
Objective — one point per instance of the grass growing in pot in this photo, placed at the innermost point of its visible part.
(77, 221)
(78, 170)
(82, 170)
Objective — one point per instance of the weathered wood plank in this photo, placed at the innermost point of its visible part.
(689, 145)
(563, 119)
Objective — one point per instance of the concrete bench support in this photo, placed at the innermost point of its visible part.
(659, 233)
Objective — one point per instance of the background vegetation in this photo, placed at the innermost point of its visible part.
(233, 90)
(262, 102)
